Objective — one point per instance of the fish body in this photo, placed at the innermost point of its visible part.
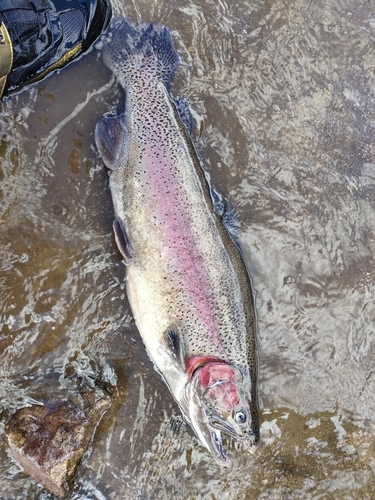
(186, 281)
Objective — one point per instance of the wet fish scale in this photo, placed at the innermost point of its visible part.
(186, 281)
(187, 255)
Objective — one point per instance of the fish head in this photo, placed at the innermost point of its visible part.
(216, 402)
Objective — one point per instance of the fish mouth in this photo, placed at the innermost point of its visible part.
(211, 427)
(221, 425)
(210, 436)
(217, 450)
(247, 438)
(201, 422)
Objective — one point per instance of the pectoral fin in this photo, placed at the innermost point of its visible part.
(174, 343)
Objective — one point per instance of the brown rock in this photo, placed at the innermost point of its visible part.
(49, 440)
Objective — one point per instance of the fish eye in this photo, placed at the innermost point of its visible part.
(240, 417)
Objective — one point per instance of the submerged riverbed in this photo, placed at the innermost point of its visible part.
(283, 98)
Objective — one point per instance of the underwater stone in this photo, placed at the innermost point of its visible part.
(49, 440)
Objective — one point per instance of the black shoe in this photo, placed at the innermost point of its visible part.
(40, 36)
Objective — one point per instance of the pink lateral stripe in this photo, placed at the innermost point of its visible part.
(177, 235)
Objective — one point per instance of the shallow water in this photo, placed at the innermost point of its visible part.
(283, 96)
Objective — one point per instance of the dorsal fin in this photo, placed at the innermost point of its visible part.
(216, 198)
(231, 224)
(184, 113)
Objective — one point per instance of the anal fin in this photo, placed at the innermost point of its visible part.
(111, 140)
(122, 241)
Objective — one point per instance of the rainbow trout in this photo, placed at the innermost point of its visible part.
(186, 281)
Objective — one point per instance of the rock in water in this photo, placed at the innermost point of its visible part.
(49, 440)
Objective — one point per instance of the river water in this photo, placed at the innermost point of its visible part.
(283, 99)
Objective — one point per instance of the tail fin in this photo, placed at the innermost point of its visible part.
(146, 47)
